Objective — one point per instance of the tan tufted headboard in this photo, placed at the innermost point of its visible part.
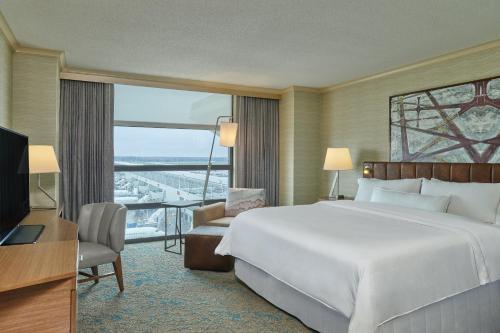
(453, 172)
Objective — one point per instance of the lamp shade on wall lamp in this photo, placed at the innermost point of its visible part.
(338, 159)
(42, 159)
(228, 132)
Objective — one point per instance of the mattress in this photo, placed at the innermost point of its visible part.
(474, 311)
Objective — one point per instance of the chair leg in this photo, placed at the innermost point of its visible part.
(95, 272)
(117, 264)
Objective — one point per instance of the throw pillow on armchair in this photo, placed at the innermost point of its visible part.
(242, 199)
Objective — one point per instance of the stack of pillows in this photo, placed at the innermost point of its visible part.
(479, 201)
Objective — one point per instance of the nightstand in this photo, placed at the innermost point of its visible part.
(335, 199)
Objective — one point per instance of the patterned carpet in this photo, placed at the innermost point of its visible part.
(162, 296)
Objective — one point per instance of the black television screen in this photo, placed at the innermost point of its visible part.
(14, 180)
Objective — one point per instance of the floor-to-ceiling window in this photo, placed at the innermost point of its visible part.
(162, 140)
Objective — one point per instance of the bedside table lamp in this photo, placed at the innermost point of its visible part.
(337, 159)
(42, 159)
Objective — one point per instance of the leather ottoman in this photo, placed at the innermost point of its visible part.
(199, 254)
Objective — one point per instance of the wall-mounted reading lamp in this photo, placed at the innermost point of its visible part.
(367, 170)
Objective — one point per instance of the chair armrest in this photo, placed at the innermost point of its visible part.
(202, 215)
(117, 230)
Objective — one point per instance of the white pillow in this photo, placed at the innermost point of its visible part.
(366, 186)
(475, 200)
(431, 203)
(498, 213)
(243, 199)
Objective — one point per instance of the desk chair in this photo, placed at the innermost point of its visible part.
(101, 234)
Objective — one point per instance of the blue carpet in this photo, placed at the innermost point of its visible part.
(162, 296)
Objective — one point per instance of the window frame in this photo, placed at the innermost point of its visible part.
(169, 167)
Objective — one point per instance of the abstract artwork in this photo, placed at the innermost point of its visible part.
(459, 123)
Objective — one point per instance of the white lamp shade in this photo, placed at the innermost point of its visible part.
(338, 159)
(42, 159)
(228, 133)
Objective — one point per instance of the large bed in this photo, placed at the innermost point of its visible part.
(358, 267)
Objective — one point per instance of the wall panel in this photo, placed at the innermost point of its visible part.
(5, 82)
(35, 109)
(357, 116)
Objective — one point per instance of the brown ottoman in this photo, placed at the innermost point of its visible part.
(199, 250)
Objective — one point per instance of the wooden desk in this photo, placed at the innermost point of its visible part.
(38, 281)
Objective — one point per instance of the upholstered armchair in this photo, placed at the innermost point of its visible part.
(214, 215)
(101, 233)
(221, 214)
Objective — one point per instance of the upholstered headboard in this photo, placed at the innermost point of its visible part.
(453, 172)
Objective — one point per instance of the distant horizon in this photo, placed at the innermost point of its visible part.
(171, 157)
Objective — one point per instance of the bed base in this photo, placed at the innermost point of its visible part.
(477, 310)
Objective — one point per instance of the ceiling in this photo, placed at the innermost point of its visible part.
(264, 43)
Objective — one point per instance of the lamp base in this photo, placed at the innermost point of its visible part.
(43, 208)
(336, 197)
(44, 191)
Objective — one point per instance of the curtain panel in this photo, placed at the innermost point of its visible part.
(85, 145)
(257, 148)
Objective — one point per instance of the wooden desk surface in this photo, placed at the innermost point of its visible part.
(53, 257)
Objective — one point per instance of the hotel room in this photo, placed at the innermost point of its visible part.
(250, 166)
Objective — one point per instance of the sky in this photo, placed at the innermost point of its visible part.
(145, 104)
(136, 103)
(139, 141)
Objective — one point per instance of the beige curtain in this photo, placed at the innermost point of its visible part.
(257, 148)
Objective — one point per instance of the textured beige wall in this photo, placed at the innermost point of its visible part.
(35, 109)
(307, 148)
(5, 82)
(286, 128)
(299, 147)
(357, 116)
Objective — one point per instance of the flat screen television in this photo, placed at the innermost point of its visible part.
(14, 181)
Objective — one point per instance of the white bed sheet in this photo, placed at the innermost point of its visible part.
(371, 262)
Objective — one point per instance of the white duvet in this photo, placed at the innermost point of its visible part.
(371, 262)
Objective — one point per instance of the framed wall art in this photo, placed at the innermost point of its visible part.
(458, 123)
